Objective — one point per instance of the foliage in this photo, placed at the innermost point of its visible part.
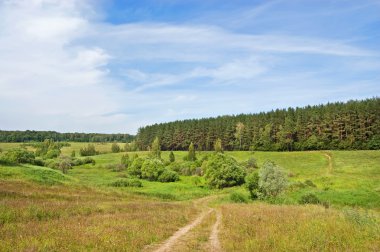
(126, 183)
(39, 136)
(115, 148)
(218, 146)
(238, 197)
(168, 176)
(272, 180)
(171, 157)
(351, 125)
(223, 171)
(132, 146)
(239, 132)
(17, 156)
(125, 160)
(309, 198)
(191, 154)
(64, 164)
(135, 168)
(88, 151)
(155, 150)
(252, 184)
(152, 168)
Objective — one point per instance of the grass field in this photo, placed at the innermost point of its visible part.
(43, 209)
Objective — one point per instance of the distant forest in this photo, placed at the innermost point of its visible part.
(338, 126)
(38, 136)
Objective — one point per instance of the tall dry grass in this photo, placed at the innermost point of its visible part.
(38, 218)
(262, 227)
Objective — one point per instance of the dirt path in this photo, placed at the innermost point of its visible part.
(214, 239)
(181, 232)
(330, 166)
(177, 240)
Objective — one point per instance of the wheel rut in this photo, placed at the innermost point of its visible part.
(181, 239)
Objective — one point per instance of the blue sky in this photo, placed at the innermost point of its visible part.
(113, 66)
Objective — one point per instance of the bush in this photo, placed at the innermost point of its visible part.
(126, 183)
(115, 148)
(125, 160)
(250, 164)
(87, 160)
(309, 198)
(310, 183)
(252, 184)
(223, 171)
(238, 197)
(17, 156)
(171, 157)
(135, 168)
(272, 180)
(152, 168)
(88, 151)
(168, 176)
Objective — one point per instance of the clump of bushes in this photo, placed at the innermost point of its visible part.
(168, 176)
(115, 148)
(309, 198)
(135, 168)
(238, 197)
(17, 156)
(152, 168)
(223, 171)
(88, 151)
(270, 181)
(126, 183)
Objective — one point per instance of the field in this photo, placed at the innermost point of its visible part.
(43, 209)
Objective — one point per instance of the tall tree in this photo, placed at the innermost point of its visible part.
(239, 132)
(155, 150)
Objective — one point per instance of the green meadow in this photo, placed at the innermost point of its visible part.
(43, 206)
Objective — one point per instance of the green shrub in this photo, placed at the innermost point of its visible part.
(171, 157)
(238, 197)
(115, 148)
(126, 183)
(152, 168)
(252, 184)
(17, 156)
(272, 180)
(88, 151)
(309, 198)
(223, 171)
(168, 176)
(135, 168)
(310, 183)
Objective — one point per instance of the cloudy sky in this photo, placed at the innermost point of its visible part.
(113, 66)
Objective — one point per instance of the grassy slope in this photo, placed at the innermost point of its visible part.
(46, 211)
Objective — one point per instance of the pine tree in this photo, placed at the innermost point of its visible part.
(191, 155)
(155, 150)
(171, 157)
(218, 146)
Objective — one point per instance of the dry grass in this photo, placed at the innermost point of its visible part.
(35, 218)
(261, 227)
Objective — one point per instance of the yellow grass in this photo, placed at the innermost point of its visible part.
(34, 218)
(262, 227)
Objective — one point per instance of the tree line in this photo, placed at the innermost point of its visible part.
(340, 125)
(39, 136)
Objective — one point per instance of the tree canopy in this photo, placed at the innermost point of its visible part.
(349, 125)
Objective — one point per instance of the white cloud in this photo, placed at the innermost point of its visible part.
(62, 68)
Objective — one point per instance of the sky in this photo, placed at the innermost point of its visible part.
(113, 66)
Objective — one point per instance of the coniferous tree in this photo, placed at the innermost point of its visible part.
(155, 150)
(191, 155)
